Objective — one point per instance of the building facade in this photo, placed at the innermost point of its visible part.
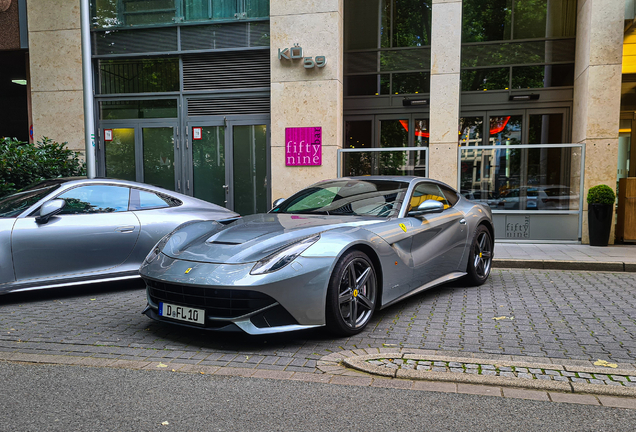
(516, 103)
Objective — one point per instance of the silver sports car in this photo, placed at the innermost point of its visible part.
(329, 255)
(72, 231)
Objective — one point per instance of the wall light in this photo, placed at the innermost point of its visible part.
(21, 82)
(414, 102)
(523, 97)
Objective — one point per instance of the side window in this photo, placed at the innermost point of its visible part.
(451, 196)
(145, 200)
(426, 191)
(95, 199)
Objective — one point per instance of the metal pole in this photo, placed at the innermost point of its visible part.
(89, 123)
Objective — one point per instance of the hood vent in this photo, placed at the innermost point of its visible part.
(224, 243)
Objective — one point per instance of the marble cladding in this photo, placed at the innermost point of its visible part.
(296, 7)
(444, 109)
(59, 115)
(306, 97)
(442, 162)
(55, 60)
(54, 15)
(305, 104)
(445, 39)
(317, 35)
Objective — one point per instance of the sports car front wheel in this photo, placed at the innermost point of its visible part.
(351, 295)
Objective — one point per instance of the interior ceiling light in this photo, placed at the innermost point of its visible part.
(21, 82)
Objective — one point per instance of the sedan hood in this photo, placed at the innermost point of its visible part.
(251, 238)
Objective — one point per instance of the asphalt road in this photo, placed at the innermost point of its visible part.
(540, 313)
(67, 398)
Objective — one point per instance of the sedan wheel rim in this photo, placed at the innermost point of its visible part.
(483, 255)
(356, 296)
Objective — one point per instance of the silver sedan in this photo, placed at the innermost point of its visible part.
(330, 255)
(72, 231)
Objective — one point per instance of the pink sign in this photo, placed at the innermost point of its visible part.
(303, 146)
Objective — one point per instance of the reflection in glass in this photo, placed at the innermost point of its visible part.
(208, 171)
(411, 23)
(126, 109)
(497, 20)
(422, 134)
(407, 162)
(364, 19)
(485, 79)
(158, 151)
(411, 83)
(522, 179)
(394, 133)
(505, 130)
(367, 85)
(138, 76)
(250, 160)
(470, 131)
(120, 154)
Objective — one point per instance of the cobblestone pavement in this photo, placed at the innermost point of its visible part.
(477, 368)
(538, 313)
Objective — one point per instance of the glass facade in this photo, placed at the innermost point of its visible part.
(517, 44)
(135, 13)
(387, 47)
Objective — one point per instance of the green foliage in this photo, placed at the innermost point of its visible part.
(22, 163)
(601, 194)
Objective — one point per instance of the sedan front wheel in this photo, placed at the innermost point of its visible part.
(352, 294)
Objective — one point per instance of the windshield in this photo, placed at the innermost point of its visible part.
(381, 198)
(13, 205)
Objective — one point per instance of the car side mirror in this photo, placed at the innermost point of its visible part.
(428, 206)
(49, 209)
(278, 202)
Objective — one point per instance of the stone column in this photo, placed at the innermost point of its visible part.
(305, 97)
(55, 53)
(597, 93)
(445, 90)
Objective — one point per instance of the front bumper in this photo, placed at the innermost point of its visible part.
(292, 298)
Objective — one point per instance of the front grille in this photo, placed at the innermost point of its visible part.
(221, 303)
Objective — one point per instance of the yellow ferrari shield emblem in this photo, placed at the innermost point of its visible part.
(188, 270)
(403, 227)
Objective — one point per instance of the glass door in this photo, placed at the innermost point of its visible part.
(146, 152)
(229, 164)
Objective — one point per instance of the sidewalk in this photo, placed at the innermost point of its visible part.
(565, 257)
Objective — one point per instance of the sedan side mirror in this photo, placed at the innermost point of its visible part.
(428, 206)
(49, 209)
(278, 202)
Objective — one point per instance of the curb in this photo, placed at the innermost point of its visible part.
(606, 266)
(348, 359)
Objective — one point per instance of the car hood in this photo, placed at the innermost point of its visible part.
(251, 238)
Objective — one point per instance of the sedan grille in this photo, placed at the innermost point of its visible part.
(221, 303)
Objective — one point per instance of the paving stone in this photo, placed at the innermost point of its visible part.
(597, 381)
(552, 372)
(488, 372)
(585, 375)
(454, 365)
(525, 375)
(544, 377)
(471, 366)
(488, 367)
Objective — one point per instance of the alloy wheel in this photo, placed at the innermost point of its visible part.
(357, 293)
(483, 254)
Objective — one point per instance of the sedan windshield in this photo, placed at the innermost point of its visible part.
(13, 205)
(381, 198)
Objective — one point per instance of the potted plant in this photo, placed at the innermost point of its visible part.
(600, 209)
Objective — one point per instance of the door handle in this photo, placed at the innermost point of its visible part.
(125, 229)
(462, 222)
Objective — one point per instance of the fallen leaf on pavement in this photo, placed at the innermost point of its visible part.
(503, 317)
(165, 423)
(605, 363)
(162, 365)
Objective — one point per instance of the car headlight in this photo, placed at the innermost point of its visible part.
(156, 249)
(282, 257)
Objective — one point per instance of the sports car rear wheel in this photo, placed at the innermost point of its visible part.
(351, 295)
(480, 257)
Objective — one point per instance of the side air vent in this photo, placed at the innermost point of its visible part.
(236, 70)
(228, 106)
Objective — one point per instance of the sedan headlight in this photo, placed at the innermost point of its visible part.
(282, 257)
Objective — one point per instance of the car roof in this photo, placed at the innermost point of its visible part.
(404, 179)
